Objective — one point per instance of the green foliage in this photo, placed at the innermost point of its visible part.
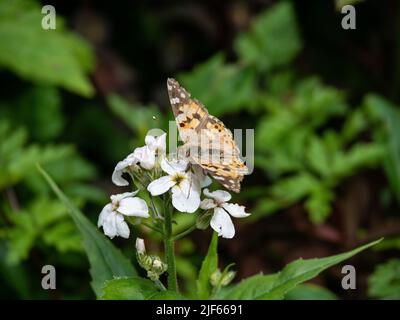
(106, 261)
(275, 286)
(15, 277)
(47, 56)
(310, 292)
(38, 109)
(136, 288)
(388, 244)
(140, 119)
(290, 144)
(390, 136)
(132, 288)
(44, 220)
(261, 46)
(18, 160)
(208, 267)
(221, 80)
(304, 154)
(384, 283)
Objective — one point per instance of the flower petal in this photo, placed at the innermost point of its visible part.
(186, 196)
(160, 185)
(219, 195)
(221, 222)
(122, 228)
(120, 168)
(117, 178)
(135, 206)
(173, 167)
(157, 144)
(161, 143)
(146, 157)
(207, 204)
(118, 197)
(235, 210)
(150, 141)
(109, 225)
(104, 214)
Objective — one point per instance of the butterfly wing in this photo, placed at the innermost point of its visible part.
(215, 150)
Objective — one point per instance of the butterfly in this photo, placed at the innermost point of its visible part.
(211, 144)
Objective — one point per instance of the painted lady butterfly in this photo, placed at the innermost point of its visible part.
(215, 150)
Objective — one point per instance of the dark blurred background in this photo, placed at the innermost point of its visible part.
(323, 102)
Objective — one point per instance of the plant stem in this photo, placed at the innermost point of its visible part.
(184, 233)
(154, 228)
(169, 251)
(160, 285)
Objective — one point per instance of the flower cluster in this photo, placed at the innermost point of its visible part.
(151, 171)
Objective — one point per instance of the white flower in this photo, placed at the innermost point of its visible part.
(221, 221)
(157, 144)
(112, 216)
(140, 247)
(144, 156)
(184, 187)
(121, 167)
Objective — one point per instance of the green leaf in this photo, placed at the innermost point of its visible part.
(275, 286)
(390, 116)
(48, 56)
(361, 155)
(230, 87)
(105, 259)
(310, 292)
(132, 288)
(273, 39)
(18, 161)
(293, 188)
(139, 119)
(166, 295)
(384, 283)
(318, 204)
(39, 110)
(318, 157)
(42, 219)
(14, 277)
(209, 265)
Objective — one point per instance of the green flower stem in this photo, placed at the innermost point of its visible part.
(154, 228)
(160, 285)
(169, 251)
(155, 211)
(184, 233)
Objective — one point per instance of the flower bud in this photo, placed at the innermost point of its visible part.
(227, 278)
(151, 263)
(221, 279)
(140, 248)
(215, 277)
